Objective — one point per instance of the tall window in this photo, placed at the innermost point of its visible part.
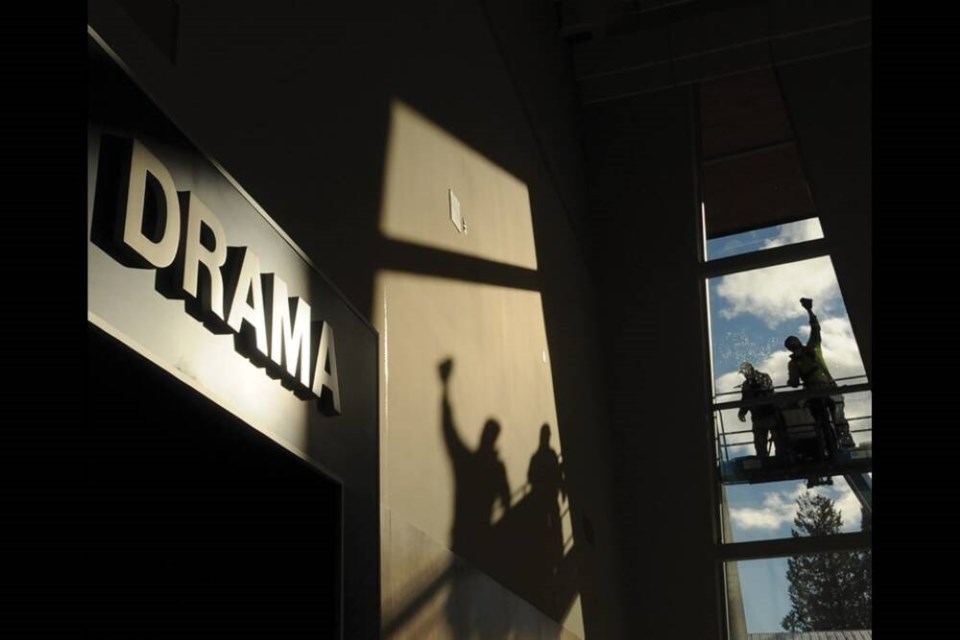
(795, 502)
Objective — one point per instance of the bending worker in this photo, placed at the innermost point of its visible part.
(764, 416)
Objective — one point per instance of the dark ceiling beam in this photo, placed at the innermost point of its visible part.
(747, 153)
(679, 71)
(738, 38)
(620, 17)
(766, 258)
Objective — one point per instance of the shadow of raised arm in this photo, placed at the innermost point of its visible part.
(455, 446)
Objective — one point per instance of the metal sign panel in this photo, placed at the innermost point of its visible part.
(188, 270)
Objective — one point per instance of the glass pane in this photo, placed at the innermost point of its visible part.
(769, 510)
(751, 313)
(737, 439)
(767, 238)
(815, 592)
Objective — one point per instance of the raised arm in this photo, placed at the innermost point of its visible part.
(451, 438)
(814, 323)
(814, 330)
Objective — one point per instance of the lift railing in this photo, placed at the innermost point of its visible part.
(780, 399)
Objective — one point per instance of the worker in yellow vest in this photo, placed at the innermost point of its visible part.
(808, 366)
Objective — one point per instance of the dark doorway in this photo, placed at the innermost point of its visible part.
(202, 524)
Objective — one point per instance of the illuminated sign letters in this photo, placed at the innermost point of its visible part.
(144, 222)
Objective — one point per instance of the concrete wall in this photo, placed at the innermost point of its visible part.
(641, 153)
(645, 214)
(349, 123)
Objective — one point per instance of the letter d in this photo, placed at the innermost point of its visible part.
(151, 219)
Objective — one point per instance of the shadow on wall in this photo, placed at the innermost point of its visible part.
(331, 151)
(524, 548)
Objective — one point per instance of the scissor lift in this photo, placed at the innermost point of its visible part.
(799, 451)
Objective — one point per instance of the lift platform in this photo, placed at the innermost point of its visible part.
(798, 450)
(753, 469)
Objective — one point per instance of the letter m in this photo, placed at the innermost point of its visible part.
(289, 322)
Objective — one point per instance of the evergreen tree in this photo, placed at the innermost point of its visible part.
(828, 591)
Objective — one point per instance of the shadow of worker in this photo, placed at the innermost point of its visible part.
(529, 538)
(546, 488)
(480, 479)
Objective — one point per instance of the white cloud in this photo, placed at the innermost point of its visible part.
(858, 405)
(739, 444)
(727, 383)
(773, 293)
(796, 232)
(741, 450)
(846, 502)
(774, 364)
(840, 352)
(779, 508)
(748, 518)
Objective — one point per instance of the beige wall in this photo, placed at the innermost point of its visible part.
(429, 593)
(497, 339)
(422, 162)
(301, 104)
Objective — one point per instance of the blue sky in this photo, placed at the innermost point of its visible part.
(751, 313)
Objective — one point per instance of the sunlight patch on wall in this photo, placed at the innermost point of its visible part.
(440, 195)
(424, 164)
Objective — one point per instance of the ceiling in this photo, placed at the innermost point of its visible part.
(729, 50)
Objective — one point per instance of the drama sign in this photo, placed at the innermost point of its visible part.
(146, 222)
(187, 273)
(186, 269)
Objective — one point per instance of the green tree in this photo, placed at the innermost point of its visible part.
(828, 591)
